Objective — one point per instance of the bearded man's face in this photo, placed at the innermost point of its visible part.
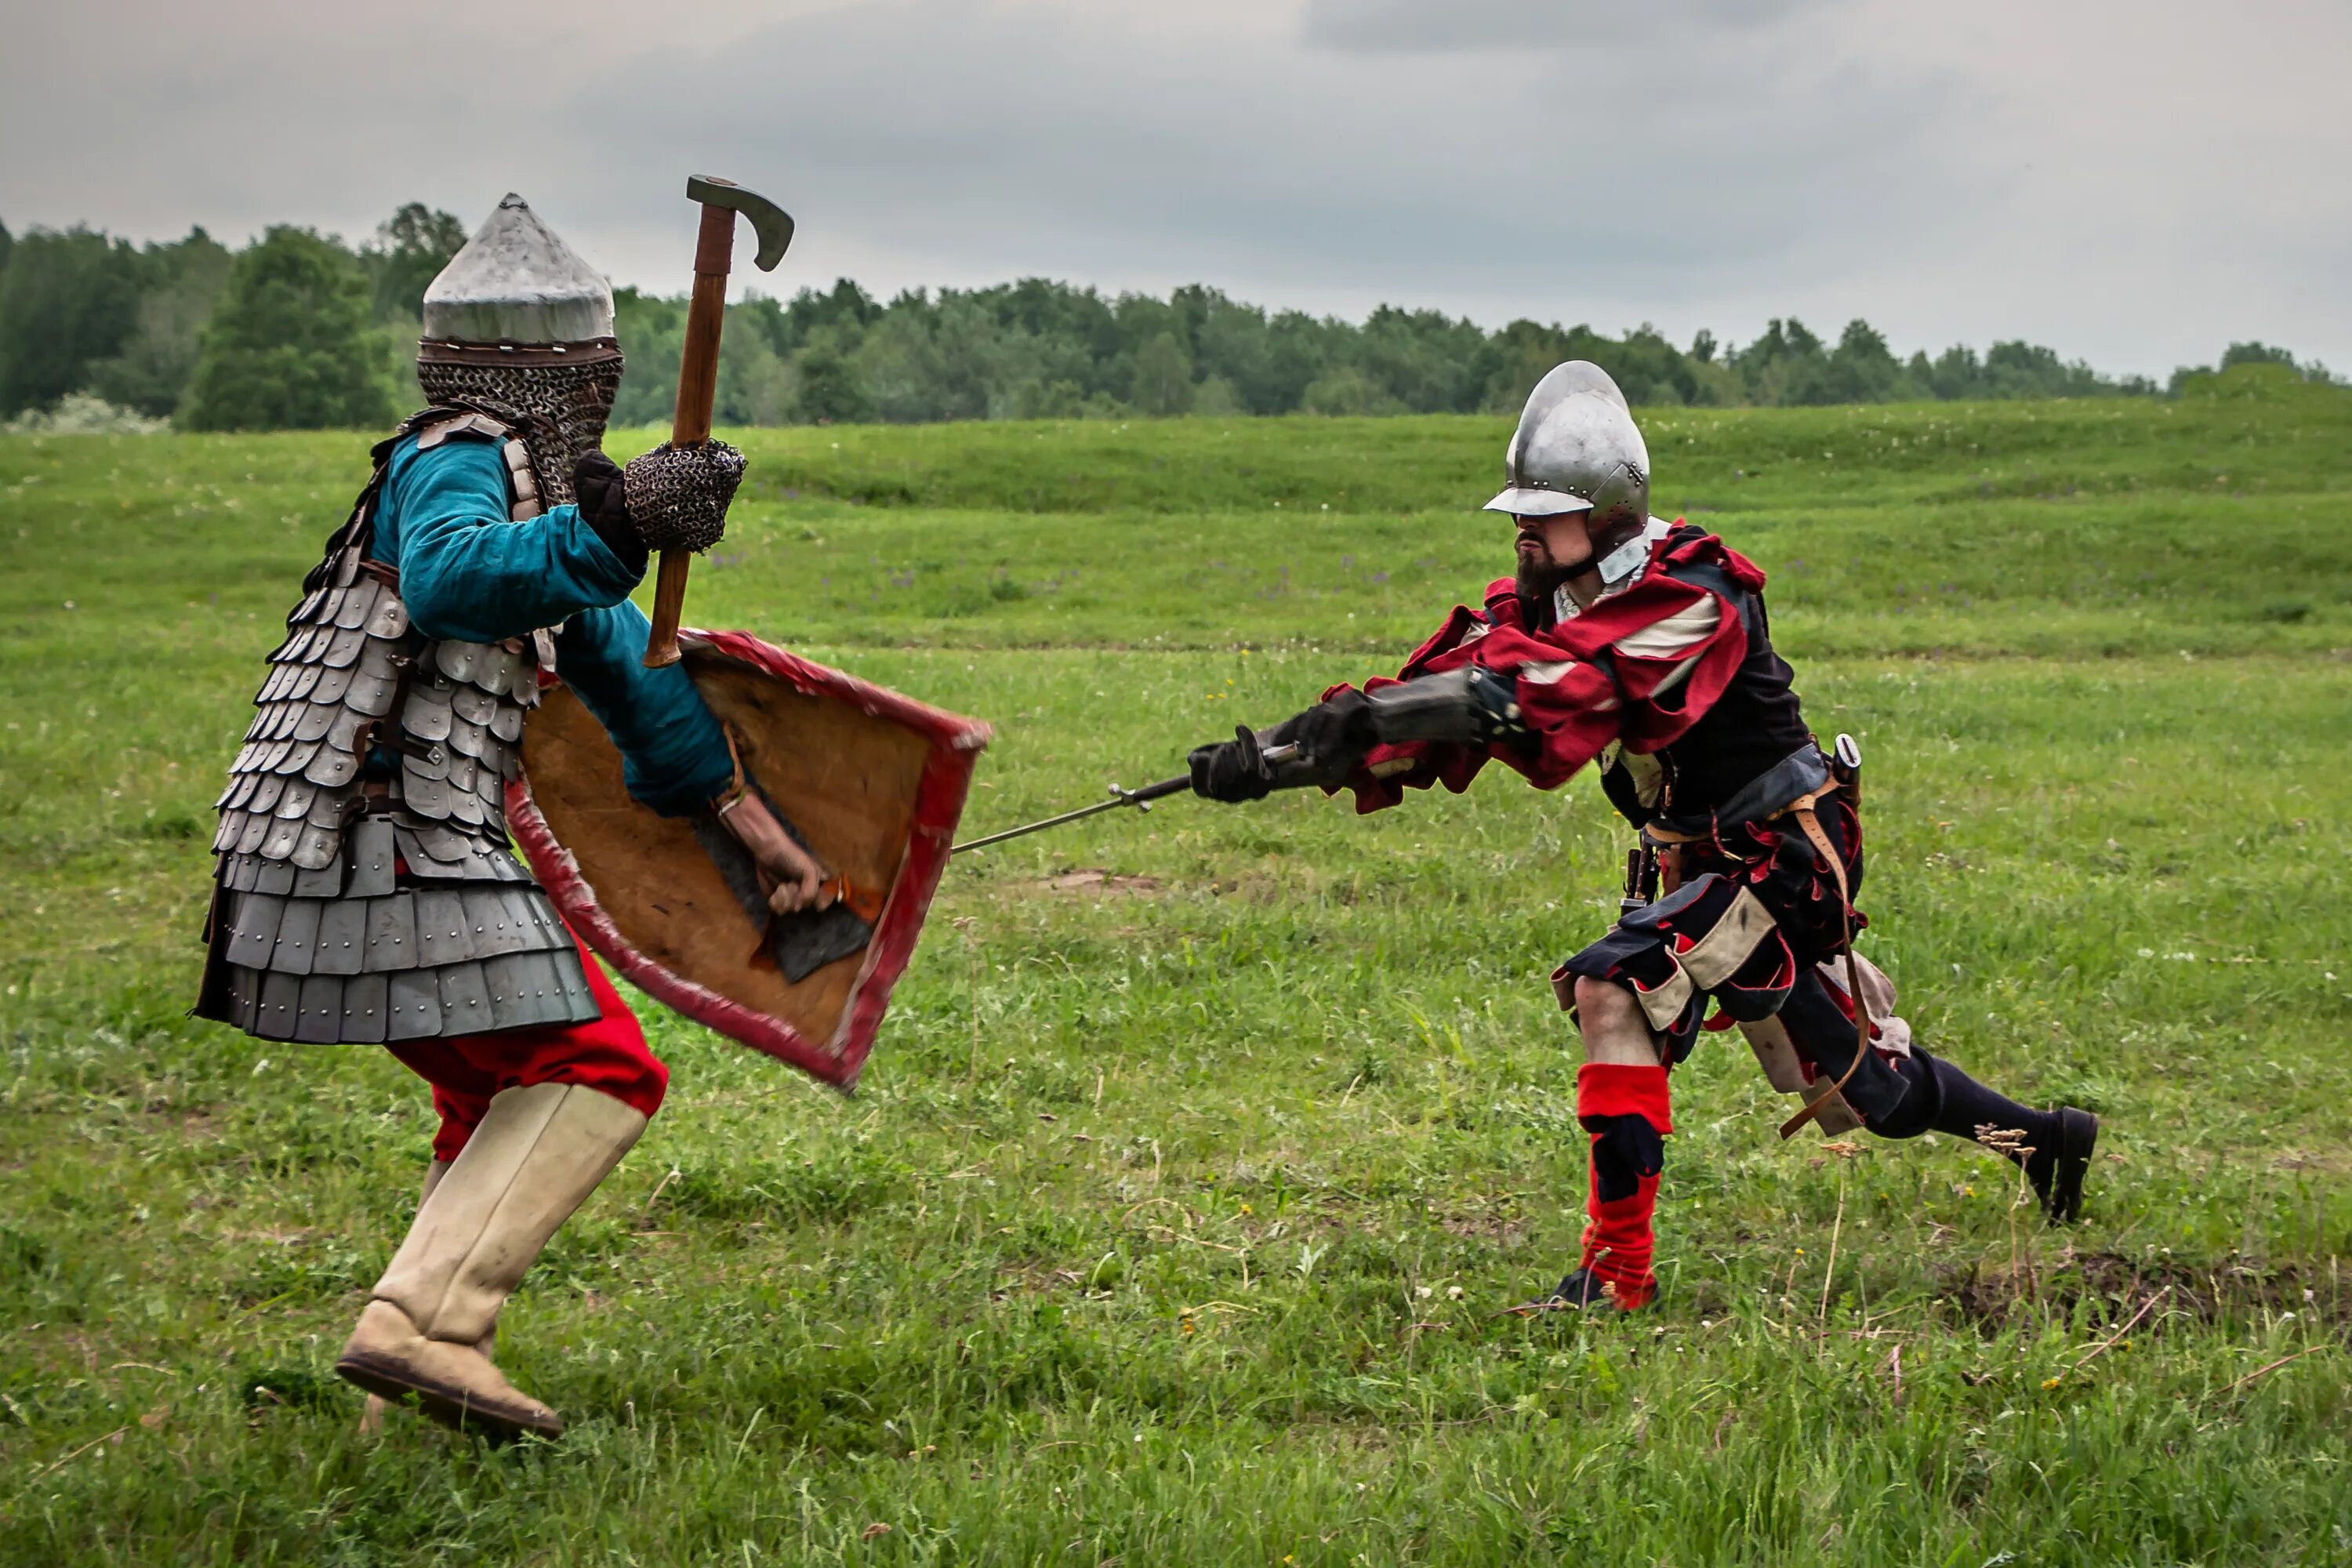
(1550, 551)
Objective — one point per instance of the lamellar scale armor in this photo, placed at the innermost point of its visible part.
(365, 889)
(367, 892)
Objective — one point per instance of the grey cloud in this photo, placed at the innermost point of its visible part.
(2122, 194)
(1529, 26)
(1052, 141)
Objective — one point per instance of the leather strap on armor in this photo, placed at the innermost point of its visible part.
(1809, 821)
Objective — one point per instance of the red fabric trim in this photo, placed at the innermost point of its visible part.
(956, 743)
(607, 1053)
(1621, 1242)
(1624, 1088)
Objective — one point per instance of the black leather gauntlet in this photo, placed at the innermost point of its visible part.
(596, 482)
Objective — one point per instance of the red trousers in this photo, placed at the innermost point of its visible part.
(608, 1055)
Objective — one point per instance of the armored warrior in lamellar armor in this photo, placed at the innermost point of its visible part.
(365, 891)
(1645, 646)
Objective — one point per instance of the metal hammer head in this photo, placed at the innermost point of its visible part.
(770, 223)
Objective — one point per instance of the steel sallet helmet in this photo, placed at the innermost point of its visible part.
(1578, 449)
(518, 321)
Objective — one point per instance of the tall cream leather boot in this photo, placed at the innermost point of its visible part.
(371, 1414)
(535, 1158)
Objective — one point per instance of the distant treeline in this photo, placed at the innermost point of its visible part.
(301, 330)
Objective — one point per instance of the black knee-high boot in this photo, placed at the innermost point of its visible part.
(1939, 1098)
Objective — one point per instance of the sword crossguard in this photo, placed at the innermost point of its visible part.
(1126, 796)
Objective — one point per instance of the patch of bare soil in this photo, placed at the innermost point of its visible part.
(1500, 1224)
(2110, 1290)
(1094, 881)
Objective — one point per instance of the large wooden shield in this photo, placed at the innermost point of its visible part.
(875, 781)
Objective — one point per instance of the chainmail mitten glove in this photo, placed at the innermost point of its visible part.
(596, 482)
(677, 496)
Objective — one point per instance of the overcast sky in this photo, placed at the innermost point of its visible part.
(2133, 182)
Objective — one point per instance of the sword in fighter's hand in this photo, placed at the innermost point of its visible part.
(697, 367)
(1250, 766)
(1140, 799)
(1323, 744)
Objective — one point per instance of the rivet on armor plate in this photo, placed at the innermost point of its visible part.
(344, 649)
(280, 841)
(426, 796)
(295, 801)
(314, 850)
(358, 604)
(290, 952)
(341, 931)
(458, 661)
(390, 620)
(330, 808)
(334, 768)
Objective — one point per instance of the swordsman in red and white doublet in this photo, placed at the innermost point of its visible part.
(1644, 647)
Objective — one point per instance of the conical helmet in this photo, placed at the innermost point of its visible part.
(517, 282)
(1578, 449)
(519, 325)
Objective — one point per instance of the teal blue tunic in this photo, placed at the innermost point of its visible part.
(469, 573)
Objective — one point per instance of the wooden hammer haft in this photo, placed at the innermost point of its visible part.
(698, 369)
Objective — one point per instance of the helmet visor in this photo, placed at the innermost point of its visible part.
(1525, 501)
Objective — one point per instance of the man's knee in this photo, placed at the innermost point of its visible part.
(1611, 1023)
(1601, 999)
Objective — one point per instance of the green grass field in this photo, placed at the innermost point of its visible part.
(1201, 1149)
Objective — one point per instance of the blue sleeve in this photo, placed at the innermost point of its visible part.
(674, 756)
(469, 573)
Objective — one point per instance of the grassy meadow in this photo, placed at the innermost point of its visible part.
(1202, 1149)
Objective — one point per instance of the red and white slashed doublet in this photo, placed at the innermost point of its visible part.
(1640, 666)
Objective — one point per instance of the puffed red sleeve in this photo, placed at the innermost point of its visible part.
(1669, 647)
(1568, 703)
(1641, 666)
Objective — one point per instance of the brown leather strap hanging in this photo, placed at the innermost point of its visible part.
(1810, 822)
